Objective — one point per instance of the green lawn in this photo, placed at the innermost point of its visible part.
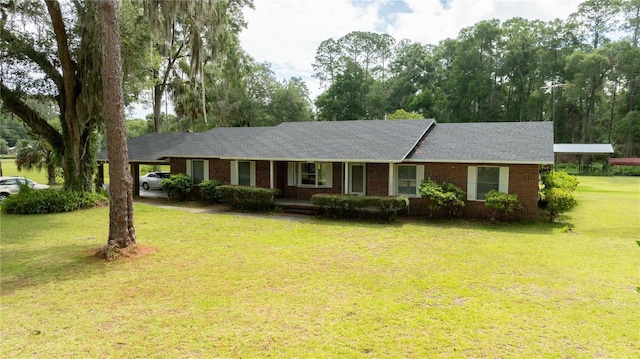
(9, 169)
(236, 286)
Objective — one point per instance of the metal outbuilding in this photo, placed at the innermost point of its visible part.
(580, 149)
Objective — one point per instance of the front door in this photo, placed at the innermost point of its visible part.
(357, 178)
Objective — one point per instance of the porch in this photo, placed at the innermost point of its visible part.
(296, 206)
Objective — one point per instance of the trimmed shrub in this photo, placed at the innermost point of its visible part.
(559, 200)
(559, 179)
(352, 206)
(556, 193)
(29, 201)
(445, 195)
(209, 190)
(179, 184)
(247, 198)
(502, 204)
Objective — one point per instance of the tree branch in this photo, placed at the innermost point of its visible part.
(69, 66)
(11, 99)
(60, 31)
(30, 52)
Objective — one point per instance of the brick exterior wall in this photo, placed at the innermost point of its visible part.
(220, 170)
(263, 174)
(306, 192)
(523, 181)
(377, 179)
(178, 165)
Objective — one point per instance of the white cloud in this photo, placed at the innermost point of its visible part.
(430, 22)
(286, 33)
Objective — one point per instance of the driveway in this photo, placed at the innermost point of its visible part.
(153, 193)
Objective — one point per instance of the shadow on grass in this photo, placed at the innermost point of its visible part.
(515, 227)
(23, 269)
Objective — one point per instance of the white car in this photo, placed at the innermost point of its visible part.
(152, 180)
(11, 185)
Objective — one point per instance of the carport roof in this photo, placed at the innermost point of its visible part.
(583, 148)
(149, 148)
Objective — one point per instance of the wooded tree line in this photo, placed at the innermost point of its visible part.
(582, 72)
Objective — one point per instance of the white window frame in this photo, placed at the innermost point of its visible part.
(235, 170)
(294, 174)
(348, 180)
(419, 178)
(472, 181)
(205, 170)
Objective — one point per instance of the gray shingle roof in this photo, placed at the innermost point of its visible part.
(150, 146)
(373, 141)
(357, 141)
(487, 142)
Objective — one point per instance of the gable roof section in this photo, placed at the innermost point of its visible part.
(487, 142)
(371, 141)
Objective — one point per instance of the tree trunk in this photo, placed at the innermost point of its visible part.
(121, 230)
(76, 133)
(51, 169)
(158, 91)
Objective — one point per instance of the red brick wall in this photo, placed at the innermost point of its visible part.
(178, 165)
(305, 192)
(377, 179)
(523, 181)
(263, 174)
(220, 170)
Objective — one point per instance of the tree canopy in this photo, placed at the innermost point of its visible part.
(581, 72)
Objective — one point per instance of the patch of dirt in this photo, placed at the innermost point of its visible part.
(132, 252)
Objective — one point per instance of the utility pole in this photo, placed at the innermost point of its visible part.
(552, 87)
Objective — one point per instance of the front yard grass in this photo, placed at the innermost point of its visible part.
(234, 286)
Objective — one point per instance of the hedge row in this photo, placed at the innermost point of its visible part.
(51, 201)
(247, 198)
(335, 205)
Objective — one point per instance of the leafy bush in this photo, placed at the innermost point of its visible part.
(445, 195)
(247, 198)
(209, 190)
(559, 179)
(556, 193)
(559, 200)
(179, 184)
(350, 206)
(502, 204)
(29, 201)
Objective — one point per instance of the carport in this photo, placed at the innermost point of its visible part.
(628, 161)
(148, 149)
(581, 149)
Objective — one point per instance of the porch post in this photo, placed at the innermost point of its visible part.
(345, 189)
(391, 180)
(271, 176)
(100, 176)
(135, 173)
